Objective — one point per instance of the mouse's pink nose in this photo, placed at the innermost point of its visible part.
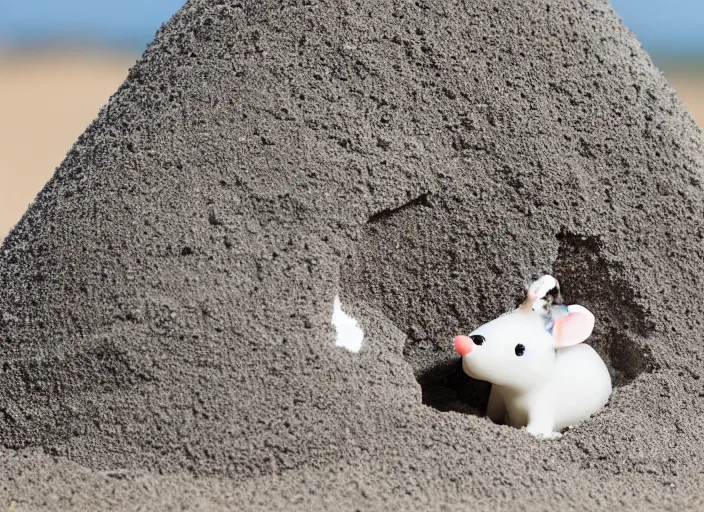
(463, 345)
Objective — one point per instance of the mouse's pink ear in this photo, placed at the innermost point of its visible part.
(573, 328)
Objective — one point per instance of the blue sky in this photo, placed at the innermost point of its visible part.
(664, 26)
(129, 23)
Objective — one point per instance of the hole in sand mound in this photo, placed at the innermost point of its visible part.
(446, 387)
(402, 268)
(587, 278)
(419, 265)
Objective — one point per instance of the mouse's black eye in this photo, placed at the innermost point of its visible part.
(519, 350)
(478, 339)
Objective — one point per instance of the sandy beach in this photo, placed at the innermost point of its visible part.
(47, 100)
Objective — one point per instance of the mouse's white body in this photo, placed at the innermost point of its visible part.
(580, 386)
(542, 378)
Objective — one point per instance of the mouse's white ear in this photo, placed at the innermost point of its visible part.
(573, 328)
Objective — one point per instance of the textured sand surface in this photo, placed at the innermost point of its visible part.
(48, 99)
(166, 301)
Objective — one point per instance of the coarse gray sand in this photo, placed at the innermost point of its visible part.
(165, 303)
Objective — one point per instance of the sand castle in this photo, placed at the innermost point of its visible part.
(165, 303)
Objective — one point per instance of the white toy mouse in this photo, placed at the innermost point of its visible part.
(542, 377)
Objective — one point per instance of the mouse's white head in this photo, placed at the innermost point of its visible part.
(517, 349)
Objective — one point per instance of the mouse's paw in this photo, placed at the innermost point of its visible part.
(551, 435)
(546, 435)
(543, 431)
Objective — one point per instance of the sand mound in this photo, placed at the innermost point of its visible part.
(165, 304)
